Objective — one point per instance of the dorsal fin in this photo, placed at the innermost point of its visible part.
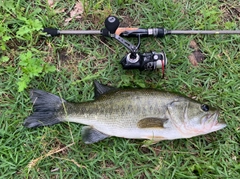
(151, 122)
(100, 89)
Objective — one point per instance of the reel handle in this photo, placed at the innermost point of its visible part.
(111, 24)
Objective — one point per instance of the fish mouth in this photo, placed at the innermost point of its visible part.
(212, 120)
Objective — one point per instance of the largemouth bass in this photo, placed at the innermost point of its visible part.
(128, 113)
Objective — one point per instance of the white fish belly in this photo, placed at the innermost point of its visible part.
(126, 128)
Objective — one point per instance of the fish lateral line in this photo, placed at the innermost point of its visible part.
(120, 113)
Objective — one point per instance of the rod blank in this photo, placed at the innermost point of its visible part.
(158, 32)
(207, 32)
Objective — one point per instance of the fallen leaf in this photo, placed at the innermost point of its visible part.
(192, 60)
(196, 57)
(193, 45)
(199, 56)
(50, 3)
(75, 13)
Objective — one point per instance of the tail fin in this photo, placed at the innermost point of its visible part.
(47, 109)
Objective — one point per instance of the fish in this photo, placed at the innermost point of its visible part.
(148, 114)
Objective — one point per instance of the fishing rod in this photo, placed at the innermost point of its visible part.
(134, 59)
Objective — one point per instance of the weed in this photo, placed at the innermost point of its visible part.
(67, 65)
(31, 67)
(19, 32)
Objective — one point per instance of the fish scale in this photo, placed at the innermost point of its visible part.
(128, 113)
(127, 105)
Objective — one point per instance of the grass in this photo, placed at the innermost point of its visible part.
(71, 63)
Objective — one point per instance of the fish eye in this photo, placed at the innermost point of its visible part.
(205, 107)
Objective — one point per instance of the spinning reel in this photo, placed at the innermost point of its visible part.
(134, 59)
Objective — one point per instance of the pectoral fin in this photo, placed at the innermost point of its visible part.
(151, 122)
(91, 135)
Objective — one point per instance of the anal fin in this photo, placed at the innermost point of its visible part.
(91, 135)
